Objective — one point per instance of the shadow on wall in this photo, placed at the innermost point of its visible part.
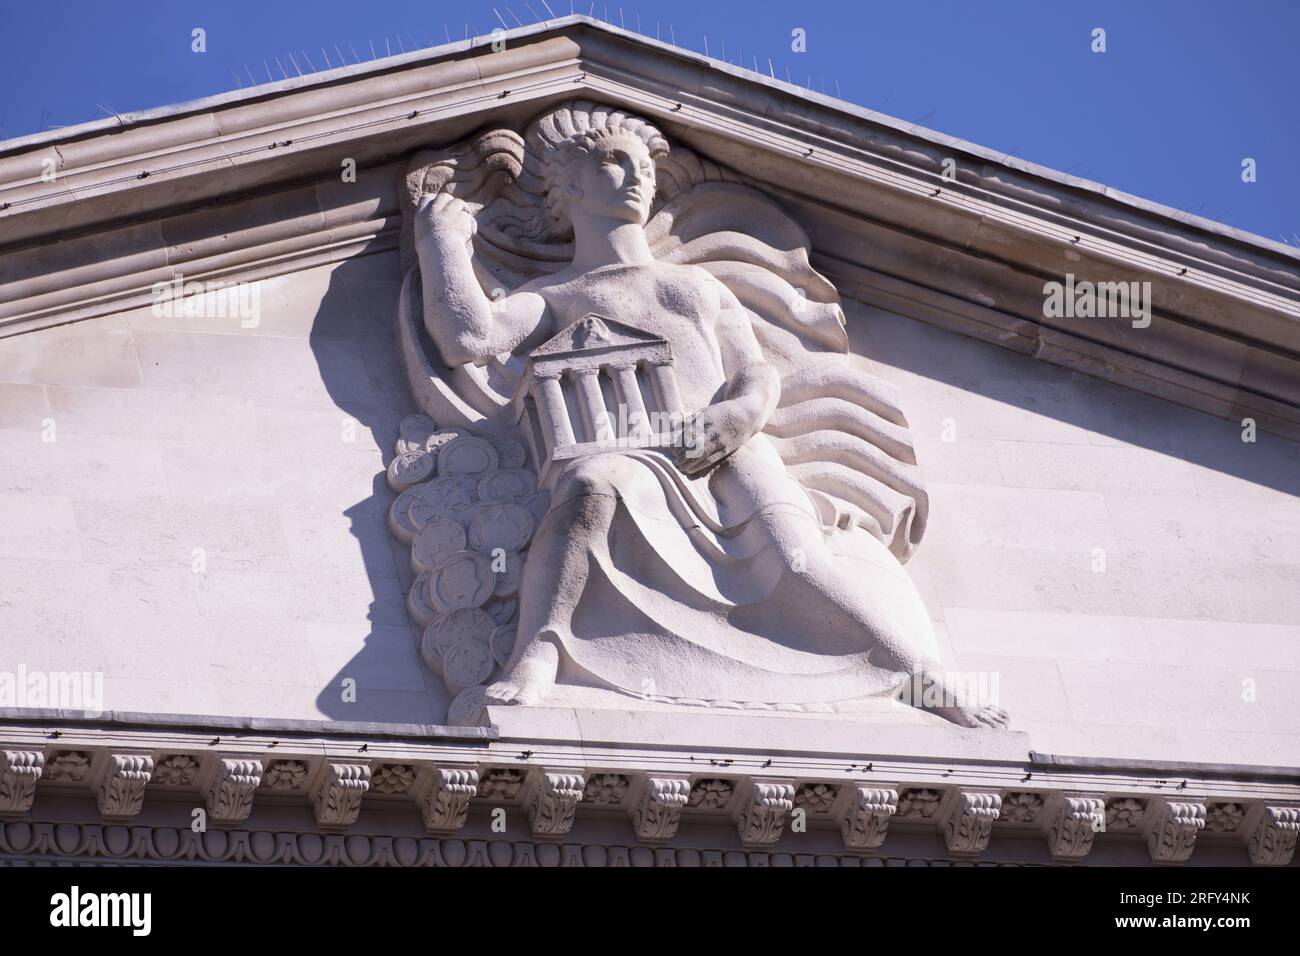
(385, 680)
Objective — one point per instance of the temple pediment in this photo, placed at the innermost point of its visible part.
(594, 336)
(568, 423)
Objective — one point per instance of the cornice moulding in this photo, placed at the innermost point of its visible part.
(281, 728)
(560, 785)
(246, 185)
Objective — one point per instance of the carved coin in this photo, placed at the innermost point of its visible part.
(435, 543)
(506, 484)
(466, 705)
(413, 432)
(448, 630)
(503, 643)
(507, 526)
(463, 580)
(508, 569)
(400, 520)
(466, 517)
(409, 468)
(417, 601)
(440, 498)
(429, 651)
(501, 610)
(443, 436)
(467, 483)
(510, 453)
(468, 663)
(537, 505)
(466, 456)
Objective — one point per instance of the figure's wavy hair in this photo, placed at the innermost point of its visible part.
(560, 138)
(523, 179)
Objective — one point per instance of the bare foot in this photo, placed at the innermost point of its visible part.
(975, 716)
(929, 691)
(532, 677)
(505, 692)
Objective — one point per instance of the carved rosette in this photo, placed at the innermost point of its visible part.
(656, 815)
(445, 805)
(1171, 835)
(230, 795)
(392, 778)
(1071, 829)
(969, 821)
(918, 802)
(865, 821)
(711, 794)
(1224, 817)
(67, 766)
(760, 818)
(553, 802)
(1272, 841)
(176, 770)
(1124, 813)
(500, 783)
(816, 797)
(19, 771)
(1021, 807)
(285, 775)
(337, 798)
(606, 789)
(120, 794)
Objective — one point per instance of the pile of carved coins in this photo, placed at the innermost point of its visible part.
(467, 505)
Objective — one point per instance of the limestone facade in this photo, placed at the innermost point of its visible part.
(195, 503)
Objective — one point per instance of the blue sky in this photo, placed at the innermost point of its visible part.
(1184, 92)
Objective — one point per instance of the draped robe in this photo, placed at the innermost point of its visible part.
(689, 597)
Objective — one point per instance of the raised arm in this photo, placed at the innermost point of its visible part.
(464, 323)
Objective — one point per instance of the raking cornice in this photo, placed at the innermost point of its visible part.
(246, 185)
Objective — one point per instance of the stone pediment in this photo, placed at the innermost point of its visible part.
(595, 339)
(594, 334)
(969, 255)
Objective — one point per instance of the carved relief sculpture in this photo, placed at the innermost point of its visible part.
(645, 469)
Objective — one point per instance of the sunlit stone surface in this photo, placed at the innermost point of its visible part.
(357, 481)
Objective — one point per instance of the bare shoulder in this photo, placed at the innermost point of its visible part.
(726, 297)
(551, 280)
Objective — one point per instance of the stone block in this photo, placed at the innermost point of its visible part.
(38, 526)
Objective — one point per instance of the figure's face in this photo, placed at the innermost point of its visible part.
(616, 180)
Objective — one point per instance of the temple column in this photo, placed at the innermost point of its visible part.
(552, 413)
(665, 385)
(592, 404)
(628, 393)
